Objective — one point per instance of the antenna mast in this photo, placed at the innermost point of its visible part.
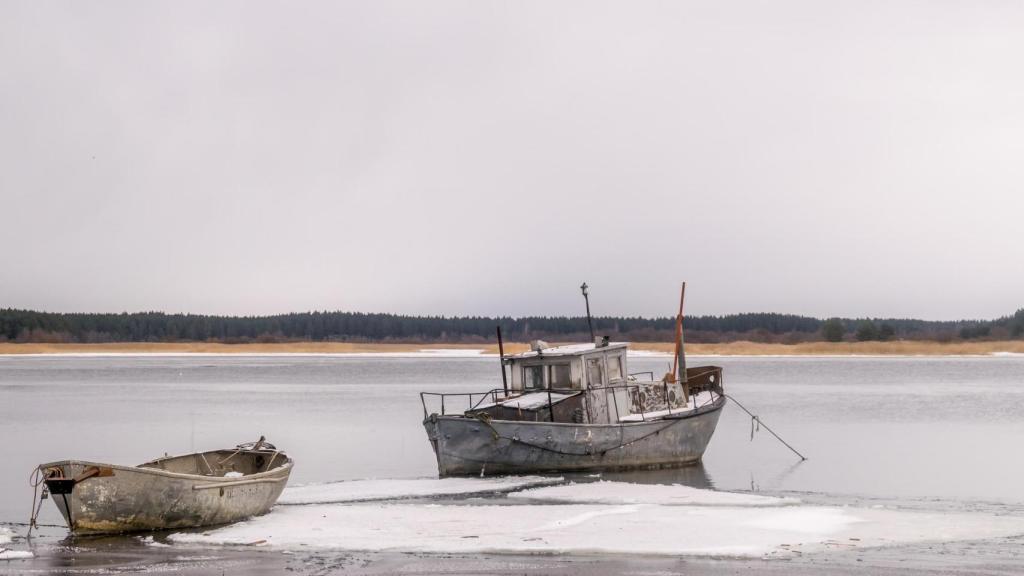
(590, 323)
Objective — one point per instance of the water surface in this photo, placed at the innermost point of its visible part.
(917, 431)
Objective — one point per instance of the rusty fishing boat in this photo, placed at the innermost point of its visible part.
(200, 489)
(576, 408)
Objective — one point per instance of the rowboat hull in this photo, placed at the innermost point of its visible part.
(465, 446)
(114, 499)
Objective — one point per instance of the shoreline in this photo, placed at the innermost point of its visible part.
(740, 348)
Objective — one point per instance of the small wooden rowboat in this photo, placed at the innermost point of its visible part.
(201, 489)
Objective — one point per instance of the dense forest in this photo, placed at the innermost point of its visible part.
(32, 326)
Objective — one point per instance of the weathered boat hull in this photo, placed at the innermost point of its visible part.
(114, 499)
(466, 446)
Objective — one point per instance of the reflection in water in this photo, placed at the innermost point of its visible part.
(694, 475)
(775, 482)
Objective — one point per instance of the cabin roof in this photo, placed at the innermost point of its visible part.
(568, 350)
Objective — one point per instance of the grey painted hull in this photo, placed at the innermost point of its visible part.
(472, 446)
(129, 498)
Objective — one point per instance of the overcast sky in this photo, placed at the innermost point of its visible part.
(824, 158)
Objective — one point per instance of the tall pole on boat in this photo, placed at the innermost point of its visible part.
(680, 359)
(586, 297)
(501, 356)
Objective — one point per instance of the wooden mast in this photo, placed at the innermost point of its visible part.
(501, 356)
(679, 361)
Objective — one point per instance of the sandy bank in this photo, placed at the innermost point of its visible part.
(898, 348)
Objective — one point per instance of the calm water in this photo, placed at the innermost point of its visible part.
(906, 429)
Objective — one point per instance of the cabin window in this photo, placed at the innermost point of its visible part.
(558, 376)
(614, 368)
(595, 371)
(533, 377)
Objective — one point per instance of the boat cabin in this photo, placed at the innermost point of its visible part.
(572, 367)
(583, 384)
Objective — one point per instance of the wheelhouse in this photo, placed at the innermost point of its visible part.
(572, 367)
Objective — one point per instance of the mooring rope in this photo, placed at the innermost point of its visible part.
(756, 420)
(35, 479)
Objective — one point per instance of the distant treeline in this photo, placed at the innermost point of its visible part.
(32, 326)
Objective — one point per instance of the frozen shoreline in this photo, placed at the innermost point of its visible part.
(538, 525)
(594, 518)
(6, 553)
(398, 489)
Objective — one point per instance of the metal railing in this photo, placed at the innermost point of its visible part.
(474, 400)
(470, 404)
(708, 379)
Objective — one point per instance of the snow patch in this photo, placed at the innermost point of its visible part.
(531, 401)
(395, 489)
(452, 352)
(148, 541)
(648, 354)
(605, 492)
(741, 531)
(6, 554)
(6, 535)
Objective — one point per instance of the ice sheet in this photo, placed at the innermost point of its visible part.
(393, 489)
(605, 492)
(6, 535)
(742, 531)
(6, 554)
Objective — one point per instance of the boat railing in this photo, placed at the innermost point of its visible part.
(705, 378)
(457, 400)
(699, 379)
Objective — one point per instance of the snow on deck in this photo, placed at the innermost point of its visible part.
(529, 401)
(535, 400)
(394, 489)
(604, 492)
(568, 350)
(662, 523)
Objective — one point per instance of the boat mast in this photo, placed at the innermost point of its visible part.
(590, 323)
(680, 360)
(501, 356)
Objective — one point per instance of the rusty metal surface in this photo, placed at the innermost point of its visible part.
(475, 446)
(107, 498)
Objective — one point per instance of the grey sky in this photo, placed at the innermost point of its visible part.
(850, 158)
